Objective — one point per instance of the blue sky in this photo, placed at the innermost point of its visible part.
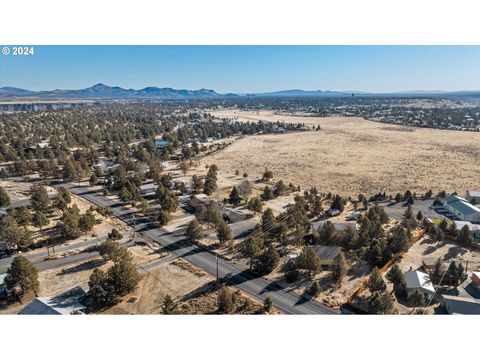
(247, 68)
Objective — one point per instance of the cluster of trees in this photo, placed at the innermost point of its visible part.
(309, 262)
(380, 247)
(453, 274)
(328, 235)
(72, 224)
(106, 288)
(380, 302)
(209, 215)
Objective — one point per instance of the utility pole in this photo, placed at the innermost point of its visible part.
(216, 257)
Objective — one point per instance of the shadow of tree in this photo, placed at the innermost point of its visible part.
(89, 265)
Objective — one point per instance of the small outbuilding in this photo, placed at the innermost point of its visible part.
(428, 263)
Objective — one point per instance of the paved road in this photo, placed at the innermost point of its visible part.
(236, 275)
(38, 257)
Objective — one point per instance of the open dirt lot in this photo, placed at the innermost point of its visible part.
(149, 295)
(351, 155)
(445, 250)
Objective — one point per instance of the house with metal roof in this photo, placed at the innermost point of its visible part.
(417, 280)
(69, 302)
(339, 226)
(458, 305)
(327, 254)
(461, 208)
(233, 215)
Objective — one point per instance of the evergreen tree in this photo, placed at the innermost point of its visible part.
(408, 214)
(70, 223)
(266, 194)
(197, 184)
(419, 215)
(328, 234)
(22, 274)
(268, 220)
(314, 289)
(464, 236)
(339, 268)
(224, 233)
(235, 198)
(382, 303)
(114, 235)
(168, 305)
(395, 275)
(39, 198)
(4, 198)
(309, 260)
(417, 298)
(254, 204)
(375, 281)
(267, 304)
(225, 300)
(252, 248)
(194, 231)
(40, 220)
(443, 225)
(87, 221)
(267, 261)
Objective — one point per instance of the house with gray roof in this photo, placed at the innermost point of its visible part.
(458, 305)
(70, 302)
(233, 215)
(339, 226)
(327, 254)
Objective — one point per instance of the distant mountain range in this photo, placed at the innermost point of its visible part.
(102, 91)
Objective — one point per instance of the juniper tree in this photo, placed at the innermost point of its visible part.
(22, 274)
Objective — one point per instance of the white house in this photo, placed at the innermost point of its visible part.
(421, 281)
(474, 228)
(473, 195)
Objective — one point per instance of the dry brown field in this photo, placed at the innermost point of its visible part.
(350, 155)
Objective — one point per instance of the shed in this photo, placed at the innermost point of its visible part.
(428, 263)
